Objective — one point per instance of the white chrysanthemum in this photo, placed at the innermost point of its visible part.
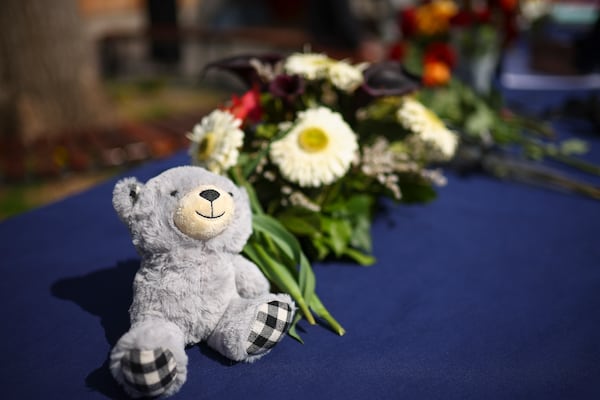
(417, 118)
(308, 65)
(346, 77)
(318, 150)
(216, 140)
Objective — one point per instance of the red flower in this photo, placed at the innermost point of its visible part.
(483, 15)
(468, 17)
(397, 51)
(247, 107)
(508, 6)
(440, 52)
(462, 18)
(511, 30)
(408, 22)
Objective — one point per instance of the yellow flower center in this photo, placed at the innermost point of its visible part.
(313, 139)
(206, 146)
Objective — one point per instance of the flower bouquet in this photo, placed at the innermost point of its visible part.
(442, 38)
(455, 49)
(316, 143)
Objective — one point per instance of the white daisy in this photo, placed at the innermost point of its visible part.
(417, 118)
(308, 65)
(318, 149)
(346, 77)
(216, 141)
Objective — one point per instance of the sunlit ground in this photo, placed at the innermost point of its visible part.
(140, 101)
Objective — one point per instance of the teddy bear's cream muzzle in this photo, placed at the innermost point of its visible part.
(204, 212)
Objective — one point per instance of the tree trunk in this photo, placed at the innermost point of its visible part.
(49, 84)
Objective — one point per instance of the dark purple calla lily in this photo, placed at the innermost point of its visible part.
(241, 67)
(389, 79)
(287, 87)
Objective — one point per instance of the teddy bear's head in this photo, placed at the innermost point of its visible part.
(184, 206)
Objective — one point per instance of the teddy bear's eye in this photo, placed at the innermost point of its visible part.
(174, 193)
(231, 194)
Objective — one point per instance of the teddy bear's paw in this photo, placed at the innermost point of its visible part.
(149, 372)
(272, 322)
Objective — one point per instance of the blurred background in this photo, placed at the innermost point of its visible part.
(89, 88)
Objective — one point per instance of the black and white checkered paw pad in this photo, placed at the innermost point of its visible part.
(149, 372)
(272, 322)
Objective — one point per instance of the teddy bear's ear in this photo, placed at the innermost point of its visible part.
(125, 195)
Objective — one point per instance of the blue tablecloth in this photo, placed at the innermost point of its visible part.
(491, 291)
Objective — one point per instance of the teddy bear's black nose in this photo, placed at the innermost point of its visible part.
(209, 194)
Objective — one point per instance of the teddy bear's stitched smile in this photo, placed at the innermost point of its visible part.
(210, 217)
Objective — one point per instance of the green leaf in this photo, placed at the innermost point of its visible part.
(361, 258)
(303, 224)
(359, 211)
(322, 312)
(239, 179)
(361, 234)
(251, 166)
(287, 242)
(481, 120)
(266, 131)
(320, 243)
(444, 102)
(417, 192)
(573, 146)
(307, 279)
(279, 275)
(535, 152)
(413, 60)
(339, 232)
(360, 203)
(292, 330)
(291, 248)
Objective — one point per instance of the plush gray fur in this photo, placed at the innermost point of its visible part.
(187, 290)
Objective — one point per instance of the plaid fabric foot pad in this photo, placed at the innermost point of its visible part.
(149, 372)
(272, 322)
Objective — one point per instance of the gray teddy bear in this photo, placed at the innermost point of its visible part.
(189, 226)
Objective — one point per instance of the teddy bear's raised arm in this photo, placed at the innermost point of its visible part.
(125, 194)
(249, 281)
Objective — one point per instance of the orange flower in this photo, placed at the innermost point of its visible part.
(444, 8)
(435, 73)
(434, 18)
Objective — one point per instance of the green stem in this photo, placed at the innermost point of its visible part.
(534, 126)
(563, 158)
(322, 312)
(575, 163)
(287, 283)
(238, 178)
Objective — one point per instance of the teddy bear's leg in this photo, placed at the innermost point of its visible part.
(251, 327)
(149, 360)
